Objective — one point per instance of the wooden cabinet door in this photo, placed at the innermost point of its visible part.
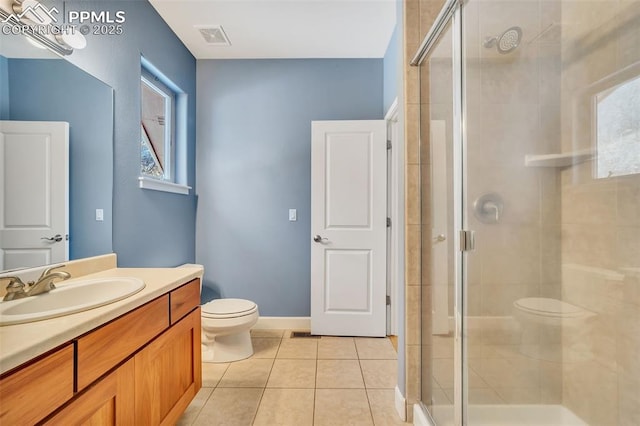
(168, 373)
(110, 401)
(102, 349)
(31, 393)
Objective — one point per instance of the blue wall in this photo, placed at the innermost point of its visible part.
(391, 71)
(254, 163)
(150, 228)
(65, 93)
(4, 88)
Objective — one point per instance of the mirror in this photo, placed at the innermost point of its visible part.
(37, 85)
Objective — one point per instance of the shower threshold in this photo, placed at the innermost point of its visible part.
(510, 415)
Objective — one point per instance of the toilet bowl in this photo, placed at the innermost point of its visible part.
(225, 327)
(553, 330)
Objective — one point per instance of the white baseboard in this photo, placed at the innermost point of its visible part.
(420, 418)
(283, 323)
(401, 405)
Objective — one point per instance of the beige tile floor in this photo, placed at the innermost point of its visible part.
(301, 381)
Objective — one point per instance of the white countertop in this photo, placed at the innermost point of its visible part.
(21, 342)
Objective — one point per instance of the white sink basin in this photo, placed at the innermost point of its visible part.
(68, 299)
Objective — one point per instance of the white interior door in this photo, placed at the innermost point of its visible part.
(348, 226)
(34, 195)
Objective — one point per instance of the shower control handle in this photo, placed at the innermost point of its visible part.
(488, 208)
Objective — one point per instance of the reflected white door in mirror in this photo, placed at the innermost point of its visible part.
(34, 193)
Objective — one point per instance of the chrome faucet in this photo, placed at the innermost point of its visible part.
(15, 289)
(44, 284)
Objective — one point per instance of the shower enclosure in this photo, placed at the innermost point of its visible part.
(530, 187)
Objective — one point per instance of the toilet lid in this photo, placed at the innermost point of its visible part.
(228, 308)
(548, 307)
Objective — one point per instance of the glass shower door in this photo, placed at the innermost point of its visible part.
(440, 371)
(507, 118)
(552, 163)
(530, 136)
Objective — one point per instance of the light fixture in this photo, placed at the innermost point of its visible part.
(36, 43)
(29, 14)
(72, 40)
(34, 11)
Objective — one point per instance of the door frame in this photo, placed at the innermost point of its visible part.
(395, 211)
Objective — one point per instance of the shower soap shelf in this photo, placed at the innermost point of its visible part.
(566, 159)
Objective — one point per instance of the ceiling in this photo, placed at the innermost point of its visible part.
(284, 29)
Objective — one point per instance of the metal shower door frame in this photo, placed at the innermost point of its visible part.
(452, 11)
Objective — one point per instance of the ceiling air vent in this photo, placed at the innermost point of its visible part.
(214, 34)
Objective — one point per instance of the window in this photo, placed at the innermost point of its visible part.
(157, 128)
(618, 130)
(163, 116)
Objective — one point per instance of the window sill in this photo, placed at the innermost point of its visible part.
(160, 185)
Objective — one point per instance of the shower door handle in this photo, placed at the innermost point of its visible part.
(467, 240)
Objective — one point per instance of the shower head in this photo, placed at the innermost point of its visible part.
(505, 42)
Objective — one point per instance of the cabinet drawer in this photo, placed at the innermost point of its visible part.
(103, 348)
(184, 300)
(31, 393)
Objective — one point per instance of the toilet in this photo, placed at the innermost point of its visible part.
(225, 327)
(553, 330)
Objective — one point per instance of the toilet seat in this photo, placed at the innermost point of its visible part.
(228, 308)
(547, 307)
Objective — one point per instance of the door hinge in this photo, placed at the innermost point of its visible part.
(388, 144)
(388, 300)
(388, 222)
(467, 240)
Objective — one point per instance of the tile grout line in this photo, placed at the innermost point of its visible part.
(364, 383)
(264, 389)
(195, 418)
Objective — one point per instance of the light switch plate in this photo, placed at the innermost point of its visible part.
(293, 215)
(99, 215)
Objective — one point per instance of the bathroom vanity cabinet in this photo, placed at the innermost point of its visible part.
(143, 367)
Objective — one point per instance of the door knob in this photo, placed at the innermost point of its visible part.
(440, 238)
(55, 239)
(319, 239)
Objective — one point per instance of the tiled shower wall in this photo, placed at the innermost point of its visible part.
(600, 220)
(512, 105)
